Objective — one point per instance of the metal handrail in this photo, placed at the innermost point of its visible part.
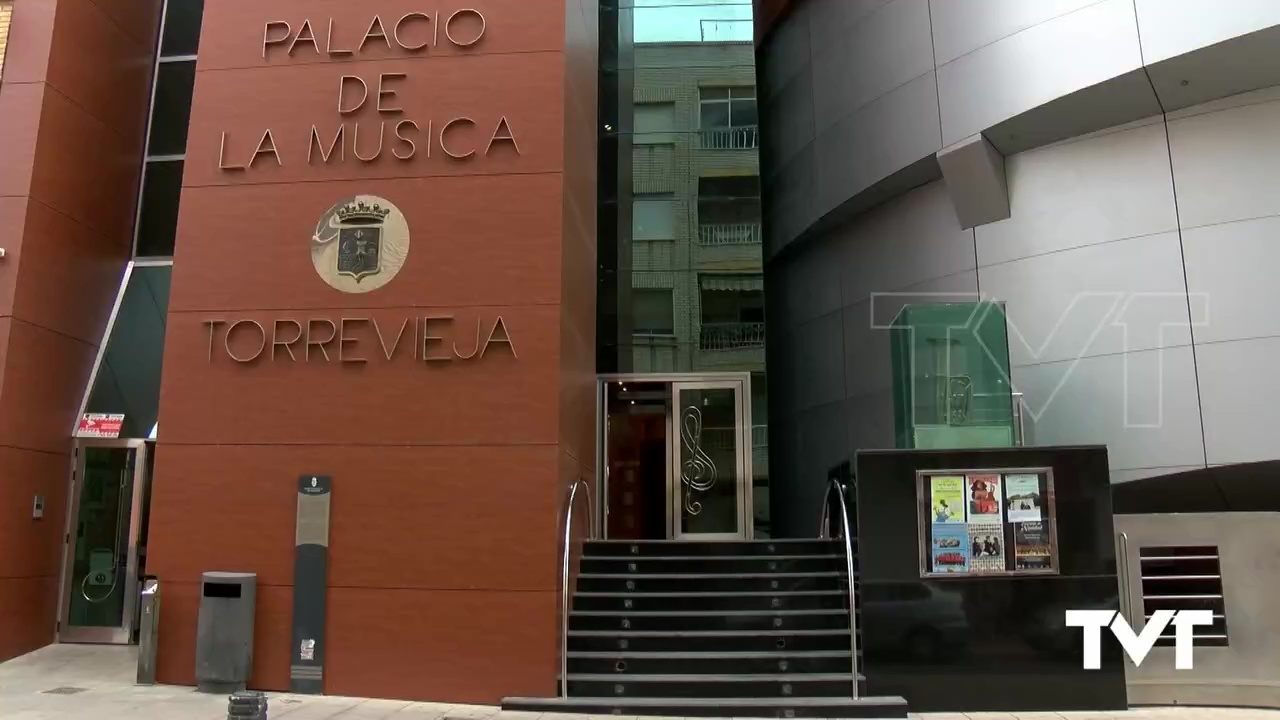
(847, 532)
(564, 575)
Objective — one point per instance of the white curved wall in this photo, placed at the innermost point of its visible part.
(857, 90)
(1139, 270)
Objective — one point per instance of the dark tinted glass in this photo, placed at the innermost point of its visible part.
(182, 27)
(172, 110)
(158, 223)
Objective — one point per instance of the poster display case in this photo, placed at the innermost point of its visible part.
(997, 522)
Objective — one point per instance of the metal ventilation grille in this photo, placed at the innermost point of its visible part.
(1185, 578)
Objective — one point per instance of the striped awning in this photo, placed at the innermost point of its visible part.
(733, 283)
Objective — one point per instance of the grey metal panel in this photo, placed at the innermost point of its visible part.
(975, 178)
(1115, 297)
(831, 21)
(1128, 192)
(787, 51)
(867, 354)
(792, 200)
(1247, 671)
(1238, 384)
(1141, 405)
(819, 354)
(1226, 164)
(880, 138)
(1124, 476)
(1241, 64)
(1033, 67)
(1174, 27)
(870, 420)
(1097, 108)
(913, 238)
(790, 114)
(1234, 265)
(885, 50)
(823, 445)
(813, 282)
(962, 27)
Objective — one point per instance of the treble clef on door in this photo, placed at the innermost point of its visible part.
(698, 473)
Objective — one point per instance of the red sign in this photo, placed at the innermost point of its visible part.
(100, 425)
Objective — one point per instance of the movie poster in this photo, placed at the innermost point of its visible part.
(983, 493)
(986, 547)
(1031, 546)
(947, 494)
(1022, 498)
(949, 552)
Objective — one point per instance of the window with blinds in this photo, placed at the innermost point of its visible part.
(1185, 578)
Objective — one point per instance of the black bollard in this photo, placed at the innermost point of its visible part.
(247, 705)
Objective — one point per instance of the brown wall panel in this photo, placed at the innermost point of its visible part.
(74, 93)
(443, 645)
(233, 36)
(443, 563)
(461, 251)
(20, 105)
(13, 215)
(31, 34)
(26, 604)
(445, 518)
(138, 19)
(495, 400)
(63, 253)
(291, 100)
(85, 170)
(28, 473)
(117, 99)
(44, 374)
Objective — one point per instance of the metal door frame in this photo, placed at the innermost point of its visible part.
(745, 478)
(123, 634)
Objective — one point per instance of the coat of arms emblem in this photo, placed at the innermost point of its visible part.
(360, 239)
(360, 244)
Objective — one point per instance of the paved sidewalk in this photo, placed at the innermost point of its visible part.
(86, 682)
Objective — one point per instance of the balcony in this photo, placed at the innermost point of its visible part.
(730, 234)
(730, 138)
(718, 337)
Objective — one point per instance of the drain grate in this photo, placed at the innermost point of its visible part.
(65, 691)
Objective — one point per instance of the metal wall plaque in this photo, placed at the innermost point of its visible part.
(310, 584)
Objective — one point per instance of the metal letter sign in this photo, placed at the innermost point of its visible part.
(310, 584)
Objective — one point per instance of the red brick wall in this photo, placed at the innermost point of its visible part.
(447, 477)
(73, 105)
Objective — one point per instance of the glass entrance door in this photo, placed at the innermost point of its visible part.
(100, 575)
(709, 471)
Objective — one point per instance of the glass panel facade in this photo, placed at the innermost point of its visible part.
(171, 112)
(680, 197)
(128, 379)
(181, 27)
(951, 377)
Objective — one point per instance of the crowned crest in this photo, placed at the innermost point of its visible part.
(360, 244)
(360, 239)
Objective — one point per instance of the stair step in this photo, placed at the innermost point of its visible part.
(624, 663)
(711, 686)
(712, 564)
(675, 601)
(870, 707)
(756, 548)
(741, 621)
(701, 582)
(708, 640)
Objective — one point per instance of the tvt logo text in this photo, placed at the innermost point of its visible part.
(1137, 646)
